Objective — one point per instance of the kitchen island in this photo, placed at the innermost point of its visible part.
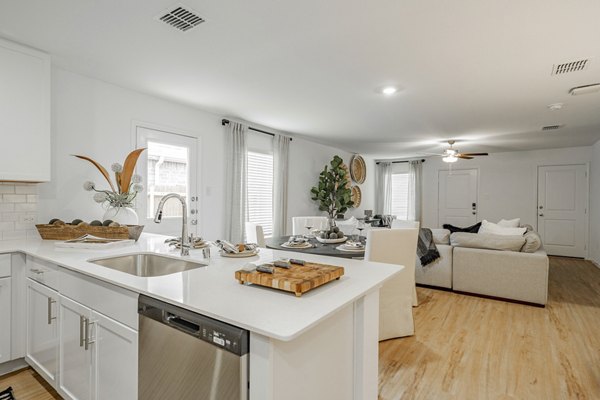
(320, 345)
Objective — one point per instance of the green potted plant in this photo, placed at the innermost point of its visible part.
(333, 193)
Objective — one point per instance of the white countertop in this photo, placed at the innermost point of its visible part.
(214, 291)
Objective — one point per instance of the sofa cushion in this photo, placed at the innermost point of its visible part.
(533, 242)
(510, 223)
(470, 229)
(487, 241)
(491, 228)
(441, 236)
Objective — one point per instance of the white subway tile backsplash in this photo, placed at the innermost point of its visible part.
(26, 207)
(18, 211)
(27, 189)
(14, 198)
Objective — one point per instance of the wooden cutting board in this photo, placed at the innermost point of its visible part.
(298, 279)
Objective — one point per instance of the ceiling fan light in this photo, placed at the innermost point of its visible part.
(450, 159)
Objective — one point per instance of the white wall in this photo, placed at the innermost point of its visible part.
(507, 182)
(594, 253)
(94, 118)
(307, 160)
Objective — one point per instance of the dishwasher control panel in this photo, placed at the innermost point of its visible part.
(229, 339)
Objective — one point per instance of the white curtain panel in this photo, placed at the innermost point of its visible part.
(281, 151)
(235, 197)
(383, 188)
(415, 169)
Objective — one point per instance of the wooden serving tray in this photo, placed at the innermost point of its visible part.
(298, 279)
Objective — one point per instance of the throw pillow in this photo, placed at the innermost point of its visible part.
(528, 227)
(495, 229)
(441, 236)
(533, 242)
(470, 229)
(487, 241)
(510, 223)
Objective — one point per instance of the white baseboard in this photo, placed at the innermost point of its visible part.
(593, 262)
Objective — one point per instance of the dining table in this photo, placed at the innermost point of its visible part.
(322, 249)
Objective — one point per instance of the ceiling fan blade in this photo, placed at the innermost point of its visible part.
(464, 157)
(474, 154)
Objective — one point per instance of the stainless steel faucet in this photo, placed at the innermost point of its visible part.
(185, 239)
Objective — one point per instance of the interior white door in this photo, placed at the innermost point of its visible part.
(169, 165)
(562, 209)
(75, 372)
(457, 197)
(42, 330)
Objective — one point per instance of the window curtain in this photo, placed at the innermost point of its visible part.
(383, 188)
(281, 150)
(235, 197)
(415, 168)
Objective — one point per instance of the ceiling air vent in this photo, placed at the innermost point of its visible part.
(181, 18)
(551, 127)
(570, 66)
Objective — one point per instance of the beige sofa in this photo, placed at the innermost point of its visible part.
(510, 275)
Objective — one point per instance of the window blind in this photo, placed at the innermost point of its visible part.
(260, 190)
(400, 195)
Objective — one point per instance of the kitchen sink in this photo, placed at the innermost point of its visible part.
(147, 264)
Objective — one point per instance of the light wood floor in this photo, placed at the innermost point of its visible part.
(28, 385)
(473, 348)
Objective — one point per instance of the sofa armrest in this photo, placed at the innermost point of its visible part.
(505, 274)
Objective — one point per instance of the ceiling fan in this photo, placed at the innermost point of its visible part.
(451, 155)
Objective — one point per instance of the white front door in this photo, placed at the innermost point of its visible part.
(169, 165)
(457, 197)
(562, 209)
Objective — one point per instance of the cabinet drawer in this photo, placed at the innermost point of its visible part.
(115, 302)
(43, 272)
(4, 265)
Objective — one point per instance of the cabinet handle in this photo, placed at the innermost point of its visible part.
(88, 340)
(50, 317)
(36, 270)
(81, 323)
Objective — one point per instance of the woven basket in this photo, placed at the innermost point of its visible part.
(68, 232)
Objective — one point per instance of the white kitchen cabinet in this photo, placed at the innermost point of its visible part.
(5, 319)
(42, 330)
(75, 359)
(116, 360)
(98, 355)
(24, 113)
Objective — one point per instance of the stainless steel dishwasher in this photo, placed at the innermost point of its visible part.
(184, 355)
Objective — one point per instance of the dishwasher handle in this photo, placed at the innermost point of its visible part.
(180, 323)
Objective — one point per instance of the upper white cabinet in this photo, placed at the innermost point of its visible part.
(24, 113)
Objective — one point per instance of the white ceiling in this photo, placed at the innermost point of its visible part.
(473, 70)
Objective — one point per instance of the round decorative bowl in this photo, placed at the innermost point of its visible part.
(332, 241)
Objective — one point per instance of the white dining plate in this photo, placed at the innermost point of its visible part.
(331, 241)
(247, 253)
(304, 245)
(350, 249)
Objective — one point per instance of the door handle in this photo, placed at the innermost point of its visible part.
(81, 324)
(50, 317)
(88, 340)
(541, 214)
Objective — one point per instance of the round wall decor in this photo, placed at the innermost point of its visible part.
(358, 169)
(356, 196)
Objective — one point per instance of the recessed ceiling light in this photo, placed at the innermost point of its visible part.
(389, 90)
(555, 106)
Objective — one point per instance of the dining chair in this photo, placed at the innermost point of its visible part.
(400, 223)
(255, 234)
(395, 246)
(299, 224)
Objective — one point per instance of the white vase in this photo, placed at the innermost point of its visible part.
(122, 215)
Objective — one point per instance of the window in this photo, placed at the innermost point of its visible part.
(260, 190)
(400, 195)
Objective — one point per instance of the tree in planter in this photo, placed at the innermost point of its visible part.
(332, 192)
